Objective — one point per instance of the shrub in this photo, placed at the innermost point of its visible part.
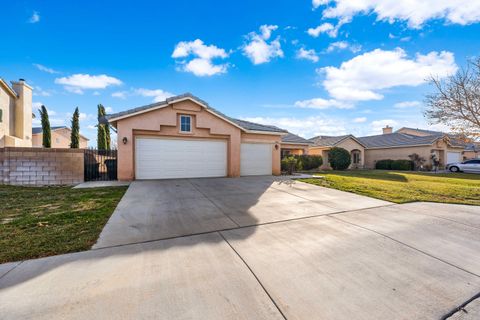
(384, 164)
(309, 162)
(289, 164)
(339, 158)
(402, 165)
(389, 164)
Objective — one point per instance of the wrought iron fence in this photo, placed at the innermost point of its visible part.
(100, 165)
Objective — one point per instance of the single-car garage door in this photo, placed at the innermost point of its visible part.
(454, 157)
(160, 158)
(255, 159)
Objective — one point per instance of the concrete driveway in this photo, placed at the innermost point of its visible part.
(258, 248)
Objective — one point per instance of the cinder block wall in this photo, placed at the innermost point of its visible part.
(39, 166)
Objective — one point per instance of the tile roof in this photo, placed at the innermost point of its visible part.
(327, 141)
(431, 132)
(36, 130)
(247, 125)
(397, 140)
(293, 138)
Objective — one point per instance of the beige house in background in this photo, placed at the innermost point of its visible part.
(15, 114)
(184, 137)
(60, 137)
(366, 151)
(321, 145)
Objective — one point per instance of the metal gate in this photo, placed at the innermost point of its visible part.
(100, 165)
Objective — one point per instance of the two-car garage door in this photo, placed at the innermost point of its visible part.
(160, 158)
(157, 158)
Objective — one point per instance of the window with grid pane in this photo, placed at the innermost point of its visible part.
(185, 123)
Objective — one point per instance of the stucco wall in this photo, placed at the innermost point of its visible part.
(16, 126)
(34, 166)
(60, 139)
(205, 125)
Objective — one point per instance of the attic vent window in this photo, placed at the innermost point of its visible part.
(185, 123)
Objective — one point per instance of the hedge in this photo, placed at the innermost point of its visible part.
(388, 164)
(301, 162)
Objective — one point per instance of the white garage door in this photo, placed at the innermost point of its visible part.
(255, 159)
(157, 158)
(453, 157)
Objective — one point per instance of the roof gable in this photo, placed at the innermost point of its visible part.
(294, 139)
(332, 141)
(241, 124)
(7, 88)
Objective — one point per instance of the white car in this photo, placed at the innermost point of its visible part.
(472, 165)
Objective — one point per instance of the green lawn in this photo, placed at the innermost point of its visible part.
(42, 221)
(401, 187)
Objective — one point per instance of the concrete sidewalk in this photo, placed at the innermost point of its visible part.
(411, 261)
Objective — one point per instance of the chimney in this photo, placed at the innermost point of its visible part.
(387, 130)
(23, 112)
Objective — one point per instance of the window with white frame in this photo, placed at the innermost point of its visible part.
(185, 123)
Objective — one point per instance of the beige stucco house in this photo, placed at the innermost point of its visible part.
(184, 137)
(15, 114)
(406, 141)
(321, 145)
(60, 137)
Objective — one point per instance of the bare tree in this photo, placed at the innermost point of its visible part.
(456, 102)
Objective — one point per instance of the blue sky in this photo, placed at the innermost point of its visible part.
(312, 67)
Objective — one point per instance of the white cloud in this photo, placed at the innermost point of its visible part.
(310, 54)
(203, 67)
(327, 28)
(45, 69)
(360, 120)
(38, 105)
(407, 104)
(342, 45)
(157, 94)
(91, 127)
(34, 18)
(362, 77)
(414, 12)
(306, 127)
(258, 49)
(323, 28)
(202, 64)
(108, 109)
(96, 93)
(78, 82)
(120, 94)
(84, 116)
(38, 91)
(319, 103)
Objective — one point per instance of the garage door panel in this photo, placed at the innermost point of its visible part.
(255, 159)
(158, 158)
(453, 157)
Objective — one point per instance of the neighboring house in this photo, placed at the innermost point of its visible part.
(293, 144)
(471, 149)
(183, 137)
(60, 137)
(15, 114)
(406, 141)
(322, 145)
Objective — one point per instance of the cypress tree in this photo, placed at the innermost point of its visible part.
(46, 133)
(75, 136)
(101, 132)
(106, 126)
